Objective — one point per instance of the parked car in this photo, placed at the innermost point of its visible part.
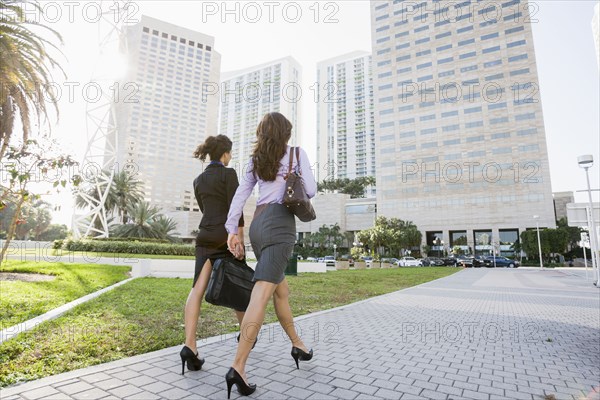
(321, 259)
(500, 262)
(368, 260)
(431, 261)
(409, 262)
(393, 261)
(311, 259)
(329, 261)
(454, 261)
(472, 262)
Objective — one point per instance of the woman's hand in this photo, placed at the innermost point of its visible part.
(233, 244)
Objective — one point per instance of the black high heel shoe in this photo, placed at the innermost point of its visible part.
(255, 340)
(193, 362)
(299, 354)
(233, 377)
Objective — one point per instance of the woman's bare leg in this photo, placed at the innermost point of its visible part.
(284, 314)
(251, 324)
(194, 304)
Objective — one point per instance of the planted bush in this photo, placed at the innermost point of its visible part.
(129, 247)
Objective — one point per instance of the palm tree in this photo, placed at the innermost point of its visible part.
(164, 226)
(126, 189)
(143, 215)
(24, 71)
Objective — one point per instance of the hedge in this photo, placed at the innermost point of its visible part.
(114, 246)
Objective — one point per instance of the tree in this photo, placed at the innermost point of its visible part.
(54, 232)
(573, 233)
(25, 68)
(354, 187)
(392, 234)
(551, 240)
(125, 191)
(35, 218)
(24, 165)
(164, 226)
(143, 215)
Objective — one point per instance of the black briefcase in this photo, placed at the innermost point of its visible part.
(230, 284)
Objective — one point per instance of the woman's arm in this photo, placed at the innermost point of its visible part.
(239, 199)
(310, 184)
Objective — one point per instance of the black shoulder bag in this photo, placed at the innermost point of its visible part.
(230, 284)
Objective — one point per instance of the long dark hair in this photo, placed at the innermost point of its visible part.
(213, 146)
(272, 135)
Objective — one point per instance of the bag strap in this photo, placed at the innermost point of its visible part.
(298, 159)
(291, 162)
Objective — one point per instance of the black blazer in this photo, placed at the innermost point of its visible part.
(214, 189)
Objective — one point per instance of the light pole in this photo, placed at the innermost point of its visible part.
(537, 225)
(586, 162)
(334, 251)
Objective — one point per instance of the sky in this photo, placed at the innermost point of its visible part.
(312, 31)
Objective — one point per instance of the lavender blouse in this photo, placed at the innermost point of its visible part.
(268, 192)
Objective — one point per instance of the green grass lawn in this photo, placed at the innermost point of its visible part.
(147, 314)
(20, 301)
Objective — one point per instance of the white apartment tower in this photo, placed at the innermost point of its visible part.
(169, 67)
(596, 31)
(248, 94)
(460, 137)
(345, 118)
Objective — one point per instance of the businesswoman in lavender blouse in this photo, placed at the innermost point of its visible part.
(272, 234)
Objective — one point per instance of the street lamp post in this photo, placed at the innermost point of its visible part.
(334, 251)
(537, 225)
(586, 162)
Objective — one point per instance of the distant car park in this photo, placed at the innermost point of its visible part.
(500, 262)
(409, 262)
(432, 262)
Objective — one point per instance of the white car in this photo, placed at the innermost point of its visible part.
(409, 262)
(329, 261)
(312, 259)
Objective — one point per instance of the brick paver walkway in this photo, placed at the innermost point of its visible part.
(478, 334)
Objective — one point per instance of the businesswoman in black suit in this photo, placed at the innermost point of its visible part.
(214, 189)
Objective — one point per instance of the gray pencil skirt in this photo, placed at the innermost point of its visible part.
(273, 235)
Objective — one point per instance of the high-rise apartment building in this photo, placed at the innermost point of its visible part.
(345, 118)
(596, 31)
(460, 137)
(168, 68)
(248, 94)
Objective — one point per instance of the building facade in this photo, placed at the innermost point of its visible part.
(248, 94)
(169, 67)
(561, 199)
(345, 118)
(460, 136)
(596, 31)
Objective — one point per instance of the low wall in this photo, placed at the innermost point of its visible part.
(185, 268)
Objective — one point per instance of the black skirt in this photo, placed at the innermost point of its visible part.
(211, 244)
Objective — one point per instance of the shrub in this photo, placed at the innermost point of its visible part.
(129, 247)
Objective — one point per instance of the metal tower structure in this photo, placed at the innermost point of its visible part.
(100, 159)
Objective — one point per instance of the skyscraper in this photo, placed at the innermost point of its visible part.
(345, 118)
(169, 67)
(460, 136)
(596, 31)
(248, 94)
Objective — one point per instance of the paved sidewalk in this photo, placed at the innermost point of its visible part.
(478, 334)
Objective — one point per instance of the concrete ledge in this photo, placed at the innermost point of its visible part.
(185, 268)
